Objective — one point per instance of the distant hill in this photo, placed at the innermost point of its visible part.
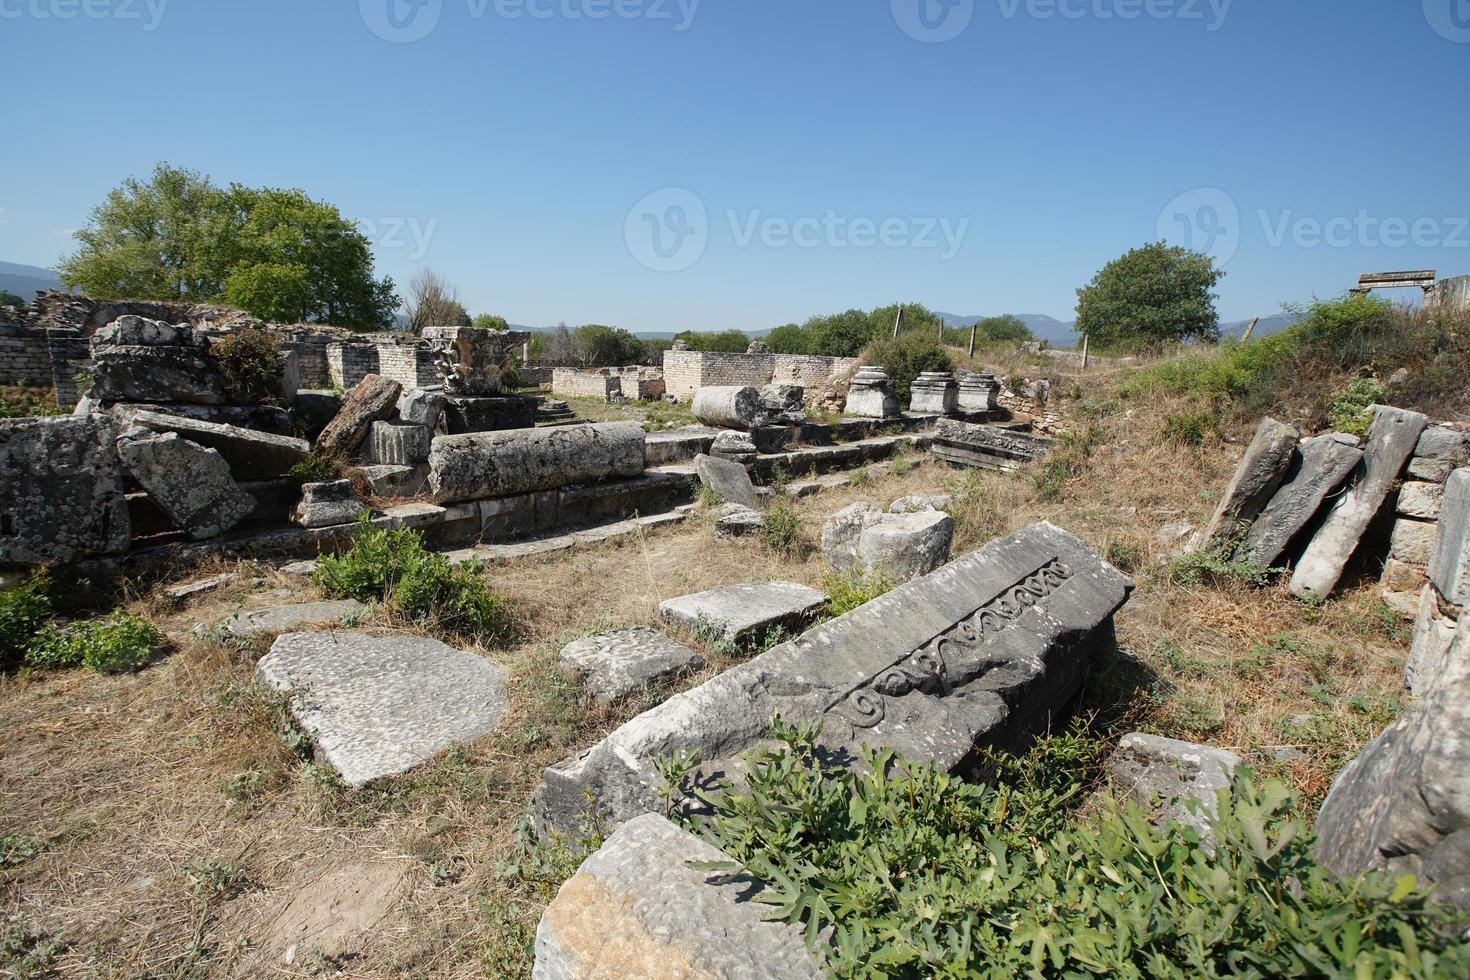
(1047, 328)
(27, 280)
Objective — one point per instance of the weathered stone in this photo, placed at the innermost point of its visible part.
(1260, 473)
(138, 331)
(987, 651)
(280, 619)
(373, 400)
(1421, 500)
(270, 419)
(934, 392)
(501, 464)
(1434, 631)
(1449, 562)
(251, 455)
(1169, 773)
(61, 493)
(685, 442)
(917, 504)
(380, 705)
(730, 408)
(1324, 463)
(986, 446)
(613, 665)
(466, 415)
(395, 481)
(1391, 439)
(158, 374)
(773, 438)
(328, 504)
(737, 613)
(733, 445)
(190, 483)
(978, 392)
(737, 521)
(421, 406)
(187, 590)
(729, 481)
(871, 395)
(784, 404)
(637, 909)
(1412, 541)
(1431, 470)
(1403, 805)
(472, 360)
(862, 539)
(399, 443)
(1444, 442)
(1400, 576)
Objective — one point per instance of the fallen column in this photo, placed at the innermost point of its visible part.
(730, 408)
(481, 465)
(987, 651)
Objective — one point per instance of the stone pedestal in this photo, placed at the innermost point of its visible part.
(464, 415)
(871, 395)
(978, 393)
(935, 393)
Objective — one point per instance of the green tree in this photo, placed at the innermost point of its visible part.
(1007, 327)
(489, 321)
(596, 345)
(789, 339)
(1151, 296)
(7, 298)
(906, 357)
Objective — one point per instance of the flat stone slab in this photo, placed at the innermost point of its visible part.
(1321, 467)
(251, 455)
(187, 590)
(614, 665)
(729, 481)
(636, 909)
(1152, 770)
(986, 446)
(279, 619)
(381, 705)
(1260, 472)
(737, 613)
(989, 650)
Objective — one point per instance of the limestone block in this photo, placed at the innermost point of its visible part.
(373, 400)
(281, 619)
(636, 908)
(737, 521)
(1401, 576)
(270, 419)
(1323, 464)
(380, 705)
(916, 504)
(784, 404)
(935, 393)
(1431, 470)
(1391, 439)
(251, 455)
(871, 395)
(987, 651)
(328, 505)
(189, 483)
(1449, 562)
(501, 464)
(733, 445)
(399, 443)
(155, 374)
(1169, 773)
(1445, 443)
(395, 481)
(422, 406)
(1257, 478)
(864, 540)
(138, 331)
(613, 665)
(978, 393)
(730, 407)
(1421, 500)
(1412, 541)
(464, 415)
(729, 480)
(737, 613)
(61, 493)
(986, 446)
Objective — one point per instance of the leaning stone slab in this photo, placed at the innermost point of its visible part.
(1449, 563)
(1153, 770)
(613, 665)
(730, 408)
(61, 493)
(190, 483)
(986, 447)
(478, 466)
(280, 619)
(743, 612)
(374, 399)
(636, 908)
(381, 705)
(1260, 472)
(1324, 464)
(1403, 805)
(728, 479)
(328, 504)
(1391, 439)
(987, 651)
(252, 455)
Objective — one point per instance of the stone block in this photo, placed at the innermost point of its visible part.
(871, 395)
(918, 504)
(500, 464)
(861, 539)
(251, 455)
(1449, 561)
(613, 665)
(978, 393)
(138, 331)
(373, 400)
(637, 909)
(282, 619)
(1412, 541)
(1445, 443)
(935, 392)
(422, 406)
(1391, 439)
(730, 407)
(1259, 475)
(399, 443)
(270, 419)
(772, 438)
(1171, 775)
(378, 706)
(737, 521)
(1434, 631)
(1431, 470)
(395, 481)
(729, 481)
(466, 415)
(785, 404)
(1421, 500)
(1321, 467)
(314, 410)
(190, 483)
(155, 374)
(986, 652)
(741, 613)
(986, 446)
(1401, 576)
(738, 447)
(328, 505)
(679, 444)
(61, 492)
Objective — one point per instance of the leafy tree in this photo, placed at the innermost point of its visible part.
(1007, 327)
(789, 339)
(489, 321)
(653, 351)
(7, 298)
(723, 342)
(840, 334)
(595, 345)
(906, 357)
(276, 253)
(1151, 296)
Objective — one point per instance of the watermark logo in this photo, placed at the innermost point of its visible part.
(412, 236)
(1449, 18)
(933, 21)
(668, 230)
(148, 12)
(1211, 13)
(1203, 220)
(401, 21)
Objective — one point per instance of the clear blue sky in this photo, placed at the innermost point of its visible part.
(520, 144)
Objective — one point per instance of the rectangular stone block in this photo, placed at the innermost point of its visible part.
(500, 464)
(1421, 500)
(399, 443)
(1322, 465)
(986, 447)
(251, 455)
(61, 492)
(1412, 541)
(1449, 561)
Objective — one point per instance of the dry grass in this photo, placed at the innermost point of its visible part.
(180, 822)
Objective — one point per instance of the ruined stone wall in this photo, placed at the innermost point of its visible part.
(411, 365)
(24, 357)
(348, 364)
(810, 371)
(686, 371)
(572, 383)
(70, 355)
(643, 385)
(1452, 296)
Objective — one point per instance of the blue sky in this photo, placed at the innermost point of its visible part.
(979, 156)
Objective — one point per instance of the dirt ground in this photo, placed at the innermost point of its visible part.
(177, 833)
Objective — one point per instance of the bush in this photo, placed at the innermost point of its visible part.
(23, 610)
(1214, 568)
(1070, 453)
(1191, 428)
(315, 468)
(394, 567)
(906, 358)
(119, 641)
(785, 530)
(1351, 410)
(846, 592)
(250, 361)
(902, 870)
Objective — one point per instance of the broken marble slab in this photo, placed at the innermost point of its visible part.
(1323, 464)
(1168, 773)
(252, 455)
(739, 613)
(280, 619)
(860, 539)
(637, 909)
(988, 651)
(737, 521)
(1391, 439)
(615, 664)
(189, 483)
(1449, 561)
(1257, 477)
(379, 705)
(728, 479)
(328, 504)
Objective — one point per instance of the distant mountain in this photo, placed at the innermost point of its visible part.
(1047, 328)
(27, 280)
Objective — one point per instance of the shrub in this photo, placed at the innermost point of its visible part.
(1350, 410)
(845, 592)
(906, 357)
(1070, 452)
(19, 404)
(1191, 428)
(23, 610)
(315, 468)
(785, 530)
(1214, 568)
(119, 641)
(392, 566)
(903, 870)
(250, 361)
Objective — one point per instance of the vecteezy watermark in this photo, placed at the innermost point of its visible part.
(1208, 220)
(1449, 18)
(406, 21)
(1211, 13)
(933, 21)
(412, 235)
(149, 12)
(669, 230)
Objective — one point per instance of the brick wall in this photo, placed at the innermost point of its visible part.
(642, 386)
(686, 371)
(70, 354)
(571, 383)
(24, 357)
(411, 365)
(348, 364)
